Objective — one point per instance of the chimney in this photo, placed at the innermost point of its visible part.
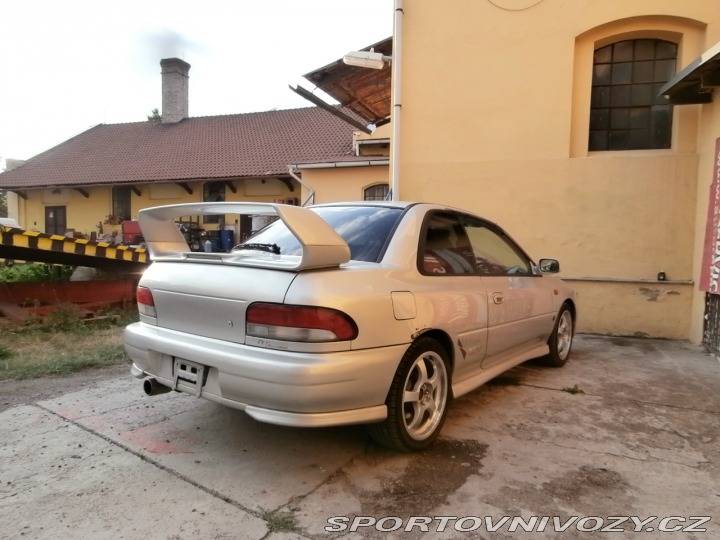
(174, 89)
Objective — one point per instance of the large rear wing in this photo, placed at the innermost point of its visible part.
(322, 247)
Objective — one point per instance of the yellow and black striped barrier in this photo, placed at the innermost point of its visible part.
(40, 247)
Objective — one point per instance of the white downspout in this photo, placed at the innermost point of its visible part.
(310, 199)
(396, 105)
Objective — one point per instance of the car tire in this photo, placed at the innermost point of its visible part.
(417, 402)
(560, 341)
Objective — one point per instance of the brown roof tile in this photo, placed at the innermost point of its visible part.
(231, 146)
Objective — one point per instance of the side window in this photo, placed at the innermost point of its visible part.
(495, 254)
(626, 112)
(445, 248)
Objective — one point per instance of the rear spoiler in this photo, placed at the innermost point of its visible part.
(322, 247)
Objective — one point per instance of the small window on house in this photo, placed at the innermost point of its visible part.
(378, 192)
(213, 192)
(121, 208)
(626, 112)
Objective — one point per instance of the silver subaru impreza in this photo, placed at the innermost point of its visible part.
(355, 313)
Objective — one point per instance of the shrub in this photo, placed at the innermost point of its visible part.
(35, 272)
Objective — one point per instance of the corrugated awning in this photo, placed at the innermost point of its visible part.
(695, 83)
(366, 92)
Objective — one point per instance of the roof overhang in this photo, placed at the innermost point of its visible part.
(364, 91)
(695, 83)
(345, 163)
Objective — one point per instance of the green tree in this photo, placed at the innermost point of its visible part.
(3, 204)
(155, 115)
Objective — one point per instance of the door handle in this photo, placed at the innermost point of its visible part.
(498, 298)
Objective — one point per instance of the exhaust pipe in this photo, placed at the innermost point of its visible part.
(154, 388)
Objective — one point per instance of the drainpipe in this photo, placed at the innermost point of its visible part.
(310, 199)
(396, 105)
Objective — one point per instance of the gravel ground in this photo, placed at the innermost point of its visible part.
(28, 391)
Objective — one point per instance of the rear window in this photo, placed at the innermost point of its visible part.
(366, 229)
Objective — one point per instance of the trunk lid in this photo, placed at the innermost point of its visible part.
(211, 300)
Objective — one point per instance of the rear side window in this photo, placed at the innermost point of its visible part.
(446, 249)
(366, 229)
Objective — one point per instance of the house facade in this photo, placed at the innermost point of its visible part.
(546, 116)
(89, 185)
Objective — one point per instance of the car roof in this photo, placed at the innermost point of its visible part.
(399, 204)
(386, 204)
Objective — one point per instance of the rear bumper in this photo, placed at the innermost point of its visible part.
(274, 386)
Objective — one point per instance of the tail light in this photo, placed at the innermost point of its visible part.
(299, 323)
(145, 302)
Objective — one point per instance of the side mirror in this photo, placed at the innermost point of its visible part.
(549, 266)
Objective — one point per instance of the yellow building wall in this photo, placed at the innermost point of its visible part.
(342, 183)
(502, 130)
(84, 214)
(246, 190)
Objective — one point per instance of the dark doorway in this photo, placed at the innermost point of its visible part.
(711, 331)
(56, 220)
(121, 202)
(213, 192)
(245, 227)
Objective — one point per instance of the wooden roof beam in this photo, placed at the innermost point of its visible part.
(186, 187)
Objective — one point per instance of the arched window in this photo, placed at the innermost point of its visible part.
(626, 112)
(378, 192)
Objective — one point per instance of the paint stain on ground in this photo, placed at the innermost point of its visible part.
(160, 439)
(587, 489)
(426, 481)
(388, 483)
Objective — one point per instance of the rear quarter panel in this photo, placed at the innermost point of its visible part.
(365, 293)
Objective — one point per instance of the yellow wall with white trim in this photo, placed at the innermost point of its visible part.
(344, 183)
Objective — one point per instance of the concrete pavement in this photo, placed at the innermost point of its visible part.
(629, 428)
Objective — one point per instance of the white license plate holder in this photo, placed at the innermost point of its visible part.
(190, 374)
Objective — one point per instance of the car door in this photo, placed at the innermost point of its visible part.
(454, 292)
(519, 305)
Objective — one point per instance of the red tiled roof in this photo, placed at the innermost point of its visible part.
(231, 146)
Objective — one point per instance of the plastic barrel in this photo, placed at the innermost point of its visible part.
(227, 239)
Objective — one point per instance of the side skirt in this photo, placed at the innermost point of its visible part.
(471, 383)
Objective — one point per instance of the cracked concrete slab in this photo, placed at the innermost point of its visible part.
(62, 481)
(628, 428)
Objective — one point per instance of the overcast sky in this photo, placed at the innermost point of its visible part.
(68, 65)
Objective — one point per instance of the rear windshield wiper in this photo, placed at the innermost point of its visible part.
(270, 248)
